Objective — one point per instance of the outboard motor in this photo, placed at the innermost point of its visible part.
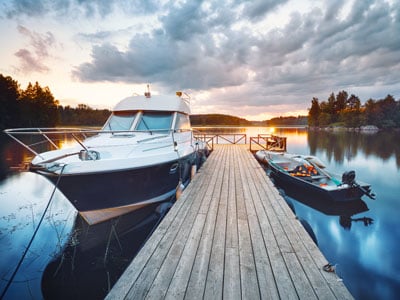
(349, 178)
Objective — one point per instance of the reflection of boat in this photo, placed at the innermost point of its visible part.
(96, 255)
(309, 174)
(326, 205)
(344, 209)
(142, 155)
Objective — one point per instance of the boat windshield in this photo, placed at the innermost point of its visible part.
(182, 122)
(155, 121)
(121, 120)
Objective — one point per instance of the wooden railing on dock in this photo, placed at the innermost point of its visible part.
(261, 141)
(268, 142)
(230, 235)
(221, 138)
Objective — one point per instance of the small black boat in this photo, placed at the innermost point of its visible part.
(309, 174)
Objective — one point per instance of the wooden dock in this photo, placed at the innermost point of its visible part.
(230, 236)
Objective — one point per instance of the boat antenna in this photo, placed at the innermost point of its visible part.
(148, 94)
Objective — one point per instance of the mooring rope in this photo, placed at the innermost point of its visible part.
(33, 237)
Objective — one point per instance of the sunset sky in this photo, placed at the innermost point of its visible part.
(254, 59)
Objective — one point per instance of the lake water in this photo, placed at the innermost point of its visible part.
(67, 259)
(361, 239)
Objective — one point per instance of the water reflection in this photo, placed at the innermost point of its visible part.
(96, 256)
(65, 257)
(11, 156)
(344, 145)
(68, 259)
(344, 210)
(24, 198)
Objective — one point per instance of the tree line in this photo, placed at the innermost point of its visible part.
(288, 121)
(347, 111)
(217, 119)
(36, 106)
(227, 120)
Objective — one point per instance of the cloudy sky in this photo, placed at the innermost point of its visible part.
(255, 59)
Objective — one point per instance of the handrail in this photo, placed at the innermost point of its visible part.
(47, 133)
(214, 138)
(269, 142)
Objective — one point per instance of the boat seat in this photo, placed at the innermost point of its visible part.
(288, 166)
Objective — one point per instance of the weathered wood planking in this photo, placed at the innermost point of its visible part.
(232, 236)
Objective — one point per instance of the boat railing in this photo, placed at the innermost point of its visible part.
(268, 142)
(37, 140)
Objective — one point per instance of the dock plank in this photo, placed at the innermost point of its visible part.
(230, 236)
(232, 288)
(269, 227)
(198, 276)
(215, 275)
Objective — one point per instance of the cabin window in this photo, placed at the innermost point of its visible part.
(182, 122)
(155, 121)
(120, 121)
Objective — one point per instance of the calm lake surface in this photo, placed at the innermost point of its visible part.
(67, 259)
(361, 239)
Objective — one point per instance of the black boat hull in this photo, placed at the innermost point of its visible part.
(124, 188)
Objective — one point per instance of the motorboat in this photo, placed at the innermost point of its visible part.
(308, 174)
(144, 154)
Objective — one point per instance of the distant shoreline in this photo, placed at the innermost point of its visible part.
(244, 126)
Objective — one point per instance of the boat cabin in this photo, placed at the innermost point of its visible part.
(154, 114)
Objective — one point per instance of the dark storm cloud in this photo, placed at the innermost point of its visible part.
(24, 7)
(193, 47)
(314, 52)
(75, 8)
(212, 44)
(185, 21)
(39, 47)
(159, 58)
(257, 9)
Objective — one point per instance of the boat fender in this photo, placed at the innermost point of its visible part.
(179, 189)
(193, 171)
(163, 208)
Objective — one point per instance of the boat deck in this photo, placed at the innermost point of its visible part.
(232, 236)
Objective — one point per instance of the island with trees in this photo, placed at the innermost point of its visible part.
(346, 111)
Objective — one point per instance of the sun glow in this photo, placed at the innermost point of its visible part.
(271, 130)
